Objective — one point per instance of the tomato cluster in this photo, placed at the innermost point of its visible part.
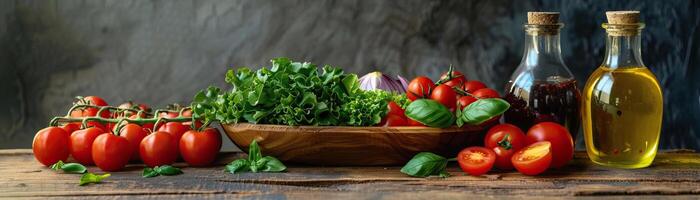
(546, 145)
(110, 144)
(453, 90)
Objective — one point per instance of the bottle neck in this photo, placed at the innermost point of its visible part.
(542, 48)
(623, 51)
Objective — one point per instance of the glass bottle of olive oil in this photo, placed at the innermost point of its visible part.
(622, 101)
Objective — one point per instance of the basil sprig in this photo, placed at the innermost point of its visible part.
(426, 164)
(74, 168)
(165, 170)
(481, 110)
(255, 162)
(92, 178)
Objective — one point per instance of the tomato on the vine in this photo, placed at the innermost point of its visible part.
(50, 145)
(134, 134)
(71, 127)
(419, 88)
(464, 101)
(504, 140)
(476, 160)
(158, 149)
(393, 120)
(445, 95)
(90, 112)
(111, 152)
(485, 93)
(558, 135)
(533, 159)
(176, 129)
(81, 144)
(458, 79)
(199, 148)
(473, 86)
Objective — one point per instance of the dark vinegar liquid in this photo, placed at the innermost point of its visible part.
(544, 101)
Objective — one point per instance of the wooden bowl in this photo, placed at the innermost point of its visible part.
(355, 146)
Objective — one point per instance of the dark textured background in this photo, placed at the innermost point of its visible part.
(162, 52)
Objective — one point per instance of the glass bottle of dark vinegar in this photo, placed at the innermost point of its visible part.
(542, 88)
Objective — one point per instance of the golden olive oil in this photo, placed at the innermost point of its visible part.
(622, 111)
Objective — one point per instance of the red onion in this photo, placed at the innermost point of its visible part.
(379, 81)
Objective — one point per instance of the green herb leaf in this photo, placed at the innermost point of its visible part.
(240, 165)
(484, 109)
(430, 113)
(57, 166)
(254, 153)
(149, 172)
(74, 168)
(425, 164)
(270, 164)
(167, 170)
(92, 178)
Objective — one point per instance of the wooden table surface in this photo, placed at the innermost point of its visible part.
(674, 173)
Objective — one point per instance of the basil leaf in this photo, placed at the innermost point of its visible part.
(149, 172)
(444, 174)
(92, 178)
(425, 164)
(74, 168)
(240, 165)
(57, 166)
(484, 109)
(430, 112)
(167, 170)
(271, 164)
(254, 152)
(458, 115)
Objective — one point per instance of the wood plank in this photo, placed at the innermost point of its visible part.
(673, 173)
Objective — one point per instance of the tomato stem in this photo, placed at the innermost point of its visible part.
(505, 143)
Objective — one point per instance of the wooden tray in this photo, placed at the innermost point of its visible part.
(342, 145)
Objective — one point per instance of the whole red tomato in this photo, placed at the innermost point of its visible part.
(158, 149)
(473, 86)
(445, 95)
(168, 115)
(476, 160)
(533, 159)
(134, 134)
(393, 120)
(71, 127)
(89, 112)
(464, 101)
(111, 152)
(458, 79)
(50, 145)
(81, 144)
(504, 140)
(176, 129)
(419, 88)
(200, 148)
(486, 93)
(558, 135)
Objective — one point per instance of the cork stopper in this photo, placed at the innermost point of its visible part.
(622, 17)
(543, 18)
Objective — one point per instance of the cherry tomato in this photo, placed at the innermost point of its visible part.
(71, 127)
(533, 159)
(200, 148)
(111, 152)
(393, 120)
(168, 115)
(50, 145)
(445, 95)
(473, 86)
(476, 160)
(95, 100)
(464, 101)
(458, 79)
(176, 129)
(97, 125)
(89, 112)
(395, 109)
(414, 123)
(158, 149)
(134, 134)
(503, 146)
(485, 93)
(562, 143)
(419, 88)
(81, 144)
